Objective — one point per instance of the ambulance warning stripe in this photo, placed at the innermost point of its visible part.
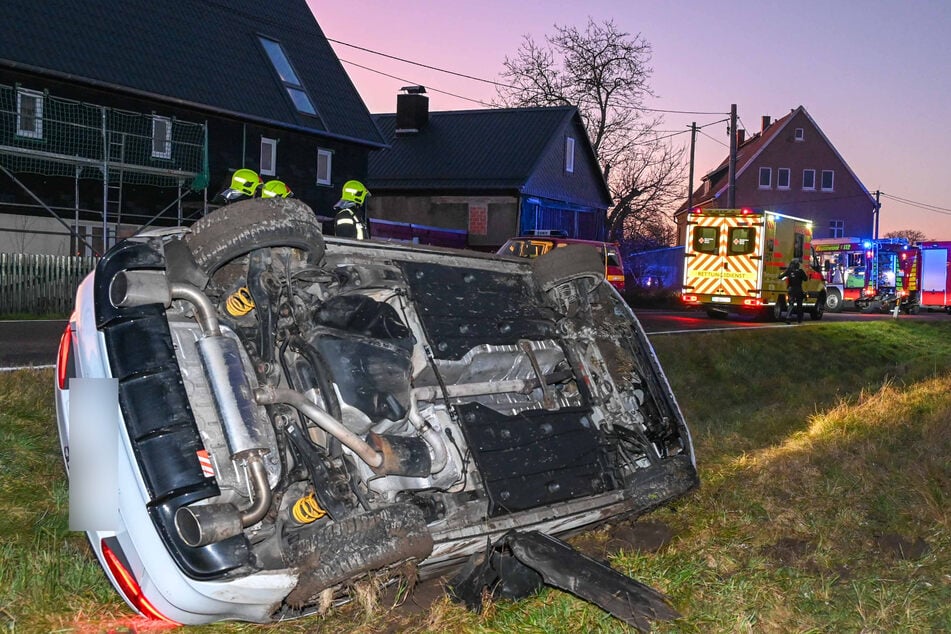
(708, 273)
(205, 461)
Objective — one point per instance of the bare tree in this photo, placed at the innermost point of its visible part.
(912, 235)
(605, 73)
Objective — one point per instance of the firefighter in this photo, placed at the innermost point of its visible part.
(244, 184)
(795, 277)
(276, 189)
(350, 219)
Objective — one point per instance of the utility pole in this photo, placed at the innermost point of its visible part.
(693, 144)
(731, 195)
(878, 213)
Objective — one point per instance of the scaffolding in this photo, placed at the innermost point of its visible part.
(52, 136)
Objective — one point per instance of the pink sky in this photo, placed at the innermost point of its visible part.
(874, 74)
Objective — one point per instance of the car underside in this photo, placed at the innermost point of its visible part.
(298, 413)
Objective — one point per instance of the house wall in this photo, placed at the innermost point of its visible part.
(848, 201)
(232, 144)
(452, 212)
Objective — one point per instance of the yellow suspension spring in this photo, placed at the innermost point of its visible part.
(307, 510)
(240, 302)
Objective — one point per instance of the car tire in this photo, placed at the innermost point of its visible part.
(567, 264)
(239, 228)
(779, 308)
(819, 309)
(834, 301)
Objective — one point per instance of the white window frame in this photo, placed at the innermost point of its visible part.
(779, 177)
(800, 134)
(836, 228)
(569, 155)
(167, 140)
(327, 155)
(37, 117)
(822, 183)
(269, 152)
(813, 187)
(768, 172)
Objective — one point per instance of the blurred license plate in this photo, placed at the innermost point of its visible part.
(725, 300)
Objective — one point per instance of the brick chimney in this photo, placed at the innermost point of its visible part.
(766, 122)
(412, 110)
(740, 137)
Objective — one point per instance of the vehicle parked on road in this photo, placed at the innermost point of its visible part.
(536, 243)
(870, 274)
(296, 415)
(733, 259)
(935, 275)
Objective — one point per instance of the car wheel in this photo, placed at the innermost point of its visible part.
(567, 264)
(239, 228)
(834, 301)
(779, 308)
(819, 309)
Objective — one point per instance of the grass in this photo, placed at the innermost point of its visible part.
(824, 504)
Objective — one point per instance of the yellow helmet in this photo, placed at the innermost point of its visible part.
(276, 189)
(245, 181)
(354, 191)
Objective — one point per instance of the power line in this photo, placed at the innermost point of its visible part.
(410, 81)
(712, 139)
(420, 64)
(473, 78)
(923, 206)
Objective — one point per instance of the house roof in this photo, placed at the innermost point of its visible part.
(207, 57)
(497, 149)
(747, 153)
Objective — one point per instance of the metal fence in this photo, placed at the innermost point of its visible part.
(40, 284)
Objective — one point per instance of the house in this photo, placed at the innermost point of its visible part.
(791, 167)
(115, 115)
(491, 173)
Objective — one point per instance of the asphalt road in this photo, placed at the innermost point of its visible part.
(34, 343)
(29, 343)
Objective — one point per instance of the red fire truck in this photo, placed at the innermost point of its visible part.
(935, 275)
(870, 274)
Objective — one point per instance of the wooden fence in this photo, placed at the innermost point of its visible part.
(41, 284)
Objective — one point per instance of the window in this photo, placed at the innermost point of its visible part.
(799, 242)
(161, 137)
(836, 228)
(809, 180)
(324, 160)
(30, 114)
(741, 240)
(800, 134)
(765, 177)
(782, 178)
(569, 155)
(828, 180)
(285, 71)
(268, 156)
(705, 239)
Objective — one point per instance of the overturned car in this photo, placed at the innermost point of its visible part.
(295, 413)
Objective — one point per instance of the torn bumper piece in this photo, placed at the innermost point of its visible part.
(520, 562)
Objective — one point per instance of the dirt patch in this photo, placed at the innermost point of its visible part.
(791, 551)
(645, 536)
(902, 547)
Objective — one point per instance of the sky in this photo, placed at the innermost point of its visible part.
(875, 75)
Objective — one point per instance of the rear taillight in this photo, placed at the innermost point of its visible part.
(753, 302)
(64, 359)
(127, 583)
(690, 299)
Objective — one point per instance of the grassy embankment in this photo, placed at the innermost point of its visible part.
(823, 452)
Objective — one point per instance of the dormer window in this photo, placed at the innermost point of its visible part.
(569, 155)
(800, 134)
(285, 71)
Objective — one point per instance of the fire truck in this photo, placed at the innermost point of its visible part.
(733, 259)
(869, 275)
(935, 275)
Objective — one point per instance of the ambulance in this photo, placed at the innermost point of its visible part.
(733, 259)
